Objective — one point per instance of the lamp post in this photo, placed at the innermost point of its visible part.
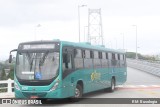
(136, 41)
(123, 39)
(79, 19)
(115, 39)
(110, 42)
(85, 32)
(39, 25)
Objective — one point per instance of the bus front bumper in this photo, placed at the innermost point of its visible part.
(39, 94)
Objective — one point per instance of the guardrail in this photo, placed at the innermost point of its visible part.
(152, 68)
(6, 86)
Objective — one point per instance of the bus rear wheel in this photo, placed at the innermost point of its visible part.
(112, 88)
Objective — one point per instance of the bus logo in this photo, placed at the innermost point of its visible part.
(95, 76)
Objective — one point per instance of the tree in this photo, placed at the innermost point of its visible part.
(11, 73)
(3, 76)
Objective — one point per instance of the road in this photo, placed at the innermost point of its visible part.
(139, 85)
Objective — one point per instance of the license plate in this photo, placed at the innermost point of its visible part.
(34, 97)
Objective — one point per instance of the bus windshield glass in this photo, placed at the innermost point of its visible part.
(37, 65)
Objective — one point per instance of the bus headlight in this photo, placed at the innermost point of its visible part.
(16, 86)
(54, 86)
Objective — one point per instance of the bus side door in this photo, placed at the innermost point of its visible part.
(68, 69)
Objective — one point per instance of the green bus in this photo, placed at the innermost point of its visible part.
(61, 69)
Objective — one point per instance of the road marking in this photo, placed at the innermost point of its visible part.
(149, 92)
(143, 86)
(137, 86)
(131, 86)
(155, 85)
(120, 86)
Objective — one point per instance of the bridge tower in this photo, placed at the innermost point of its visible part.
(95, 33)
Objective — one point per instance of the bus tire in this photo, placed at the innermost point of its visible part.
(78, 93)
(112, 88)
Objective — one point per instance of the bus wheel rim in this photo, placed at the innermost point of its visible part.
(113, 86)
(77, 93)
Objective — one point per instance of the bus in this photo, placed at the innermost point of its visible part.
(61, 69)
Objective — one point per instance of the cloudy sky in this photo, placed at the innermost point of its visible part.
(58, 19)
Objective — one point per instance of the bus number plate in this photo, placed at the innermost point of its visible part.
(34, 97)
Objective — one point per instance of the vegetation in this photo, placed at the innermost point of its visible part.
(133, 55)
(143, 57)
(4, 66)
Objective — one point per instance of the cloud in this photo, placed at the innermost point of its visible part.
(14, 12)
(59, 19)
(29, 11)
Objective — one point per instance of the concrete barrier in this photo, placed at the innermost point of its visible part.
(142, 65)
(7, 86)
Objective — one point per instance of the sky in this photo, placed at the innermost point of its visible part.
(29, 20)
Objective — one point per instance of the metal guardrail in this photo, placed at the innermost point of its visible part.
(152, 68)
(6, 86)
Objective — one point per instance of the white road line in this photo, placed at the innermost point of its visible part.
(142, 86)
(131, 86)
(119, 86)
(136, 86)
(155, 85)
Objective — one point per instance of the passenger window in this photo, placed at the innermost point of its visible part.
(103, 55)
(83, 54)
(118, 56)
(100, 55)
(78, 60)
(106, 55)
(91, 54)
(123, 57)
(78, 53)
(113, 56)
(88, 60)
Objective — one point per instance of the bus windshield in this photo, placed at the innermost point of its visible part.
(37, 65)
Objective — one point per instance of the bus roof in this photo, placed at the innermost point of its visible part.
(89, 46)
(86, 45)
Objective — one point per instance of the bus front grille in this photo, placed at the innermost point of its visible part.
(39, 95)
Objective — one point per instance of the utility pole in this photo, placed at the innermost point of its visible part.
(136, 41)
(79, 6)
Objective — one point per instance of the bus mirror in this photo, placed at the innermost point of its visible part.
(10, 58)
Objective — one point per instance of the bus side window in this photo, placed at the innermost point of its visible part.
(78, 60)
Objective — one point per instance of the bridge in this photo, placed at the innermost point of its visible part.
(143, 81)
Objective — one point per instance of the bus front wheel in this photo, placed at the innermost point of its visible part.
(78, 93)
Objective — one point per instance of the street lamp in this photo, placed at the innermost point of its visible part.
(136, 41)
(79, 18)
(123, 39)
(85, 32)
(35, 34)
(109, 43)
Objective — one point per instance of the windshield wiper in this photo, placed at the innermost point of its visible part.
(29, 59)
(31, 63)
(43, 58)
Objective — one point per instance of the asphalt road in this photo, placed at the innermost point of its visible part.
(139, 85)
(136, 77)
